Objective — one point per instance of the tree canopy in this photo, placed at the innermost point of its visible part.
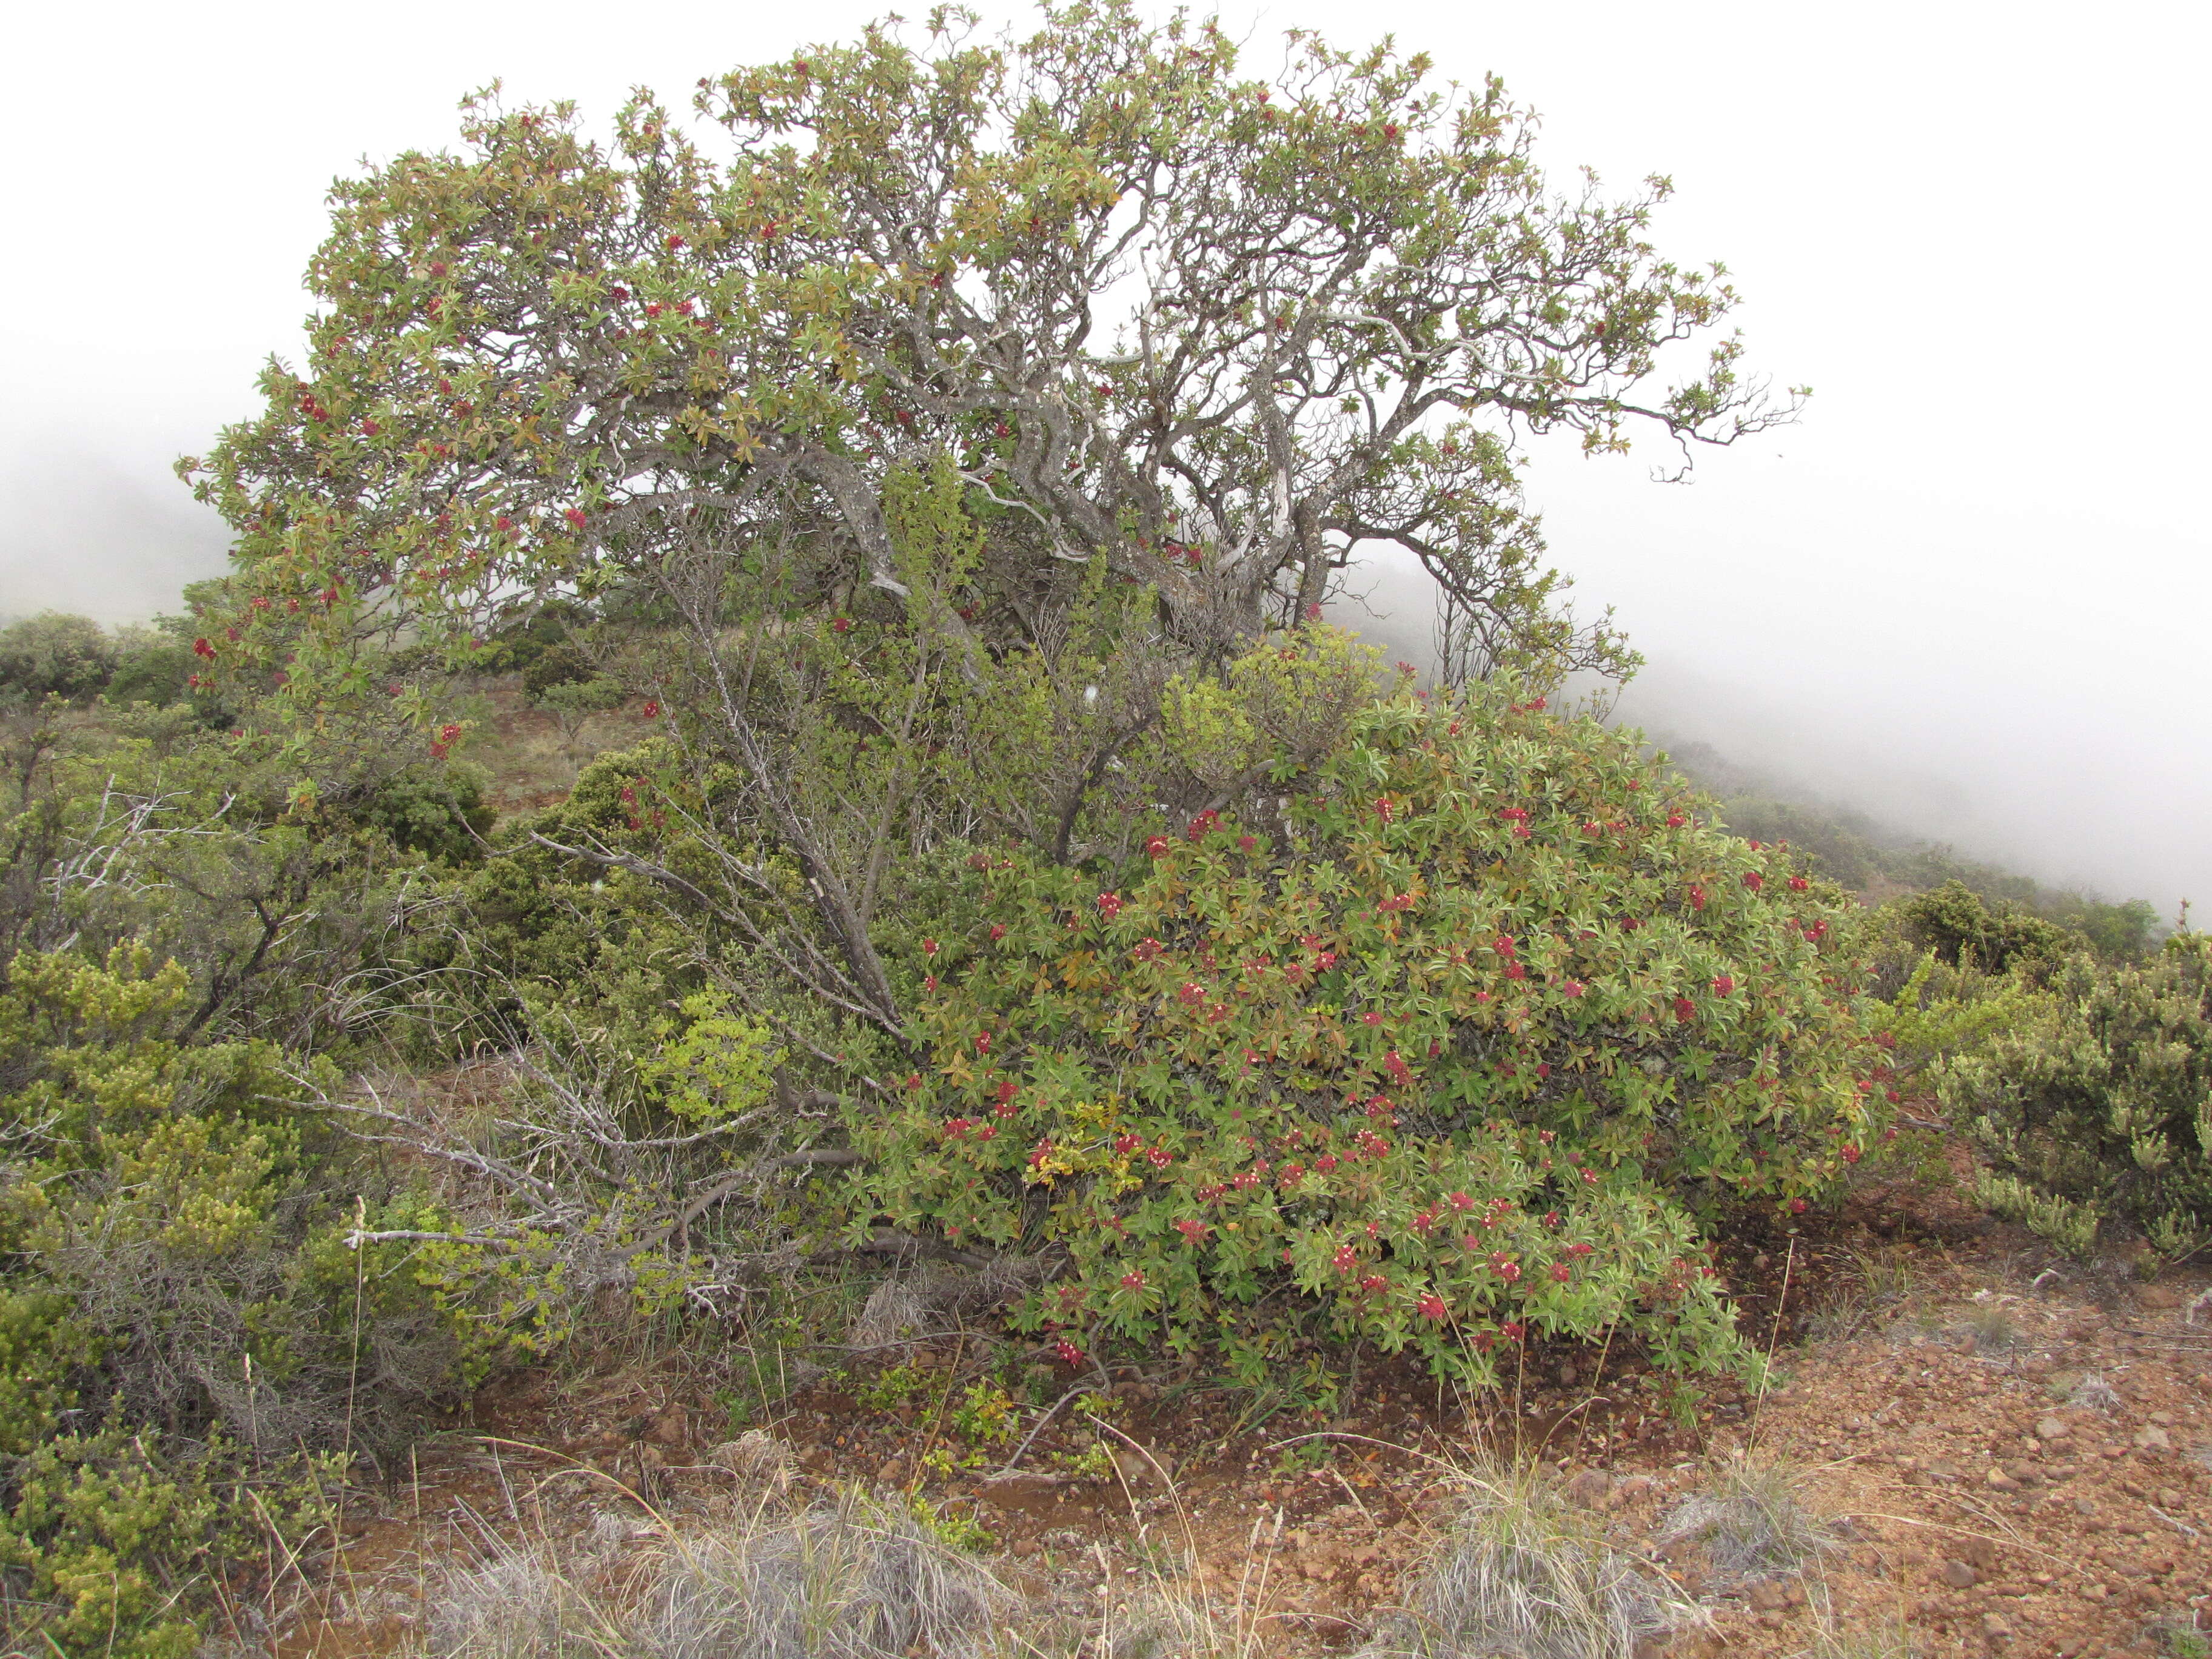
(1222, 334)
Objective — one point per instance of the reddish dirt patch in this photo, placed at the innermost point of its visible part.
(2014, 1456)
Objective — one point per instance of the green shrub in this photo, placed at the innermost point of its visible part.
(56, 654)
(1451, 1048)
(187, 1347)
(2102, 1105)
(1961, 926)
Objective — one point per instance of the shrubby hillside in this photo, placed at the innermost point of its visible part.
(1002, 866)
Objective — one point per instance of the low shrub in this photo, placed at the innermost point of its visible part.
(188, 1348)
(1457, 1043)
(2097, 1112)
(1963, 927)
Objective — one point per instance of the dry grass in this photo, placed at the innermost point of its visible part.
(1522, 1573)
(1752, 1522)
(2093, 1393)
(853, 1581)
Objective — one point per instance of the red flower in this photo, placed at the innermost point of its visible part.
(1432, 1306)
(1155, 845)
(1696, 897)
(1796, 1207)
(1193, 1231)
(1110, 905)
(1383, 808)
(1573, 988)
(982, 1042)
(1850, 1154)
(575, 517)
(1325, 1162)
(1509, 1270)
(652, 708)
(1798, 883)
(1189, 993)
(1248, 843)
(1561, 1273)
(674, 243)
(1723, 984)
(1132, 1281)
(1513, 1330)
(1753, 880)
(1069, 1353)
(1685, 1009)
(929, 947)
(202, 649)
(1675, 820)
(1397, 1068)
(840, 625)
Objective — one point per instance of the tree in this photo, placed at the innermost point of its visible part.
(1221, 333)
(1177, 345)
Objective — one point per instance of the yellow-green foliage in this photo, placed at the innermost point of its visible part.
(719, 1066)
(2101, 1101)
(182, 1330)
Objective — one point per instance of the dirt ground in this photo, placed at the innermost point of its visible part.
(2009, 1455)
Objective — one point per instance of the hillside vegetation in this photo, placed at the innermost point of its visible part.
(970, 878)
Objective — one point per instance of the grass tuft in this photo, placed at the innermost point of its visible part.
(1522, 1573)
(855, 1581)
(1752, 1522)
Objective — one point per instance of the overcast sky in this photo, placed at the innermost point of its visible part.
(1971, 589)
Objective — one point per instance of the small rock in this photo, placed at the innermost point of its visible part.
(2153, 1438)
(2095, 1593)
(1767, 1597)
(2050, 1428)
(1959, 1576)
(1998, 1480)
(2157, 1297)
(2164, 1419)
(1588, 1488)
(1995, 1628)
(1627, 1491)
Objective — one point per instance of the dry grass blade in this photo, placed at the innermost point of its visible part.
(853, 1582)
(517, 1605)
(856, 1582)
(1752, 1522)
(1520, 1573)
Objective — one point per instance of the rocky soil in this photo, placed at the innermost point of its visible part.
(1994, 1452)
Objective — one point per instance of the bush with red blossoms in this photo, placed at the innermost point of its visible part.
(1429, 1076)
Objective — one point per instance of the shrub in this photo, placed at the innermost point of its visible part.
(2101, 1108)
(57, 655)
(1450, 1047)
(1959, 925)
(187, 1347)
